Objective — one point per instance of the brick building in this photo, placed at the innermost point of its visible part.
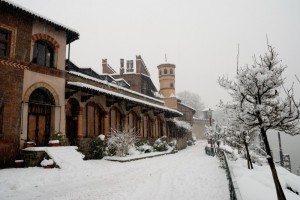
(42, 93)
(32, 62)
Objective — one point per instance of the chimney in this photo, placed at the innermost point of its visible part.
(131, 66)
(128, 66)
(121, 66)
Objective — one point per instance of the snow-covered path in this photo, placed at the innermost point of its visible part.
(189, 174)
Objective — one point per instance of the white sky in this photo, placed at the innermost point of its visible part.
(199, 36)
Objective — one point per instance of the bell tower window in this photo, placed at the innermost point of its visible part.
(165, 71)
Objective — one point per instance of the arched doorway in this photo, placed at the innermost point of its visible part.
(39, 116)
(133, 121)
(94, 120)
(72, 111)
(116, 119)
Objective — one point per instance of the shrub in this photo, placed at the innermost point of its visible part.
(161, 144)
(145, 148)
(120, 141)
(99, 147)
(190, 142)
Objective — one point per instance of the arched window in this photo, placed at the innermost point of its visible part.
(94, 120)
(133, 121)
(171, 71)
(165, 71)
(43, 53)
(115, 119)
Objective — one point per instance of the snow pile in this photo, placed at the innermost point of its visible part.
(65, 156)
(47, 162)
(258, 183)
(53, 141)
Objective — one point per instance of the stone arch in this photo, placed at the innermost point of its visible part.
(42, 36)
(41, 85)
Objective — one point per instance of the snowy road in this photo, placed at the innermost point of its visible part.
(189, 174)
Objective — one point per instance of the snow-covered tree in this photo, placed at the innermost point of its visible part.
(193, 100)
(258, 104)
(214, 133)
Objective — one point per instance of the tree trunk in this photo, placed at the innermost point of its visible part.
(250, 166)
(279, 191)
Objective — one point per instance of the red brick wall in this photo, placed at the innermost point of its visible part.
(11, 85)
(24, 31)
(11, 95)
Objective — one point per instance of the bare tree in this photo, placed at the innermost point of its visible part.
(121, 141)
(193, 100)
(258, 105)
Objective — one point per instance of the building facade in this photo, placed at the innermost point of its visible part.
(42, 93)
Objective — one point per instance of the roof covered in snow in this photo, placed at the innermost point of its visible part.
(114, 85)
(115, 94)
(72, 35)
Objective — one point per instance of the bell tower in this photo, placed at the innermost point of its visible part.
(167, 79)
(167, 84)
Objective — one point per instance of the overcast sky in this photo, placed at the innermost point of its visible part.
(200, 37)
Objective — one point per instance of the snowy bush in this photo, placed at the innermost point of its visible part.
(47, 162)
(161, 144)
(99, 147)
(190, 143)
(173, 143)
(120, 141)
(144, 148)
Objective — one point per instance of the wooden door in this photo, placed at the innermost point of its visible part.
(39, 124)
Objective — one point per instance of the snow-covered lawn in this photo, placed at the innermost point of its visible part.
(258, 183)
(188, 174)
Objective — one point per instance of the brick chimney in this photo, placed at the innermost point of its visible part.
(121, 66)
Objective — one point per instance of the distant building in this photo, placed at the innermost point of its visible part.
(199, 125)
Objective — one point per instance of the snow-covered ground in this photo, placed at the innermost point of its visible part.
(258, 183)
(188, 174)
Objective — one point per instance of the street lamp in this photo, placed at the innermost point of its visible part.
(209, 115)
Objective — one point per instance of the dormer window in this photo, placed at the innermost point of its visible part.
(43, 53)
(4, 42)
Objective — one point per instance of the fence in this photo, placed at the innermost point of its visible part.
(233, 187)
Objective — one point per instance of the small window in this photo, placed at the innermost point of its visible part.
(4, 42)
(165, 71)
(172, 85)
(171, 71)
(159, 72)
(43, 53)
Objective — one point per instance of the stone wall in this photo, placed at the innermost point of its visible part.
(199, 128)
(33, 158)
